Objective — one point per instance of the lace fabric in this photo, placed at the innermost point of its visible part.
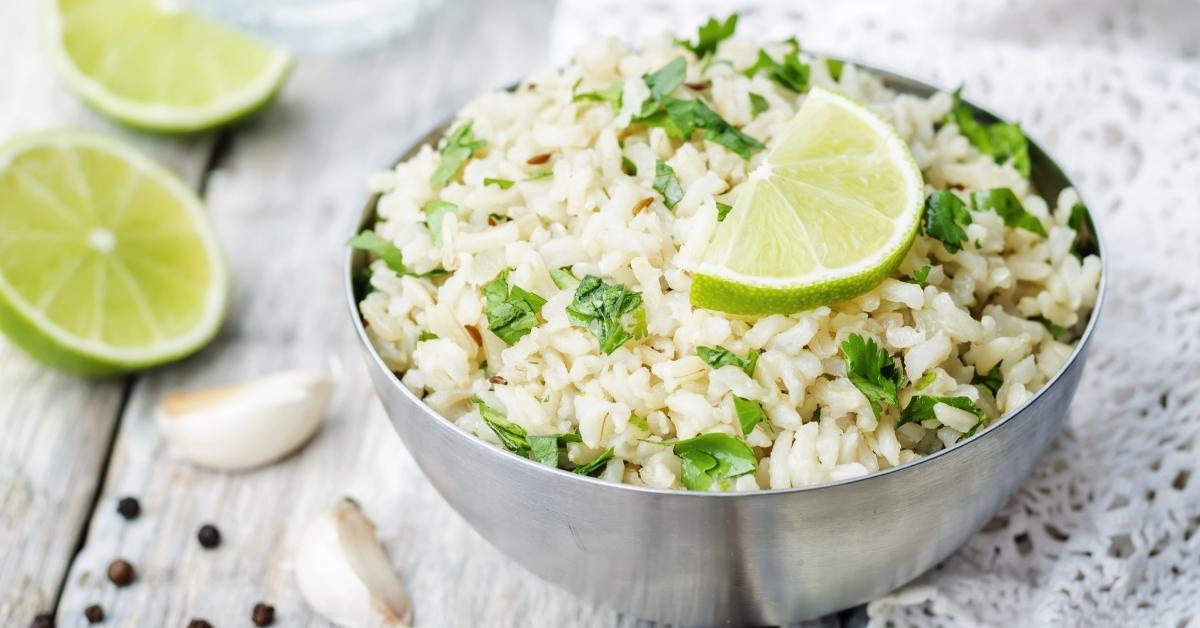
(1106, 532)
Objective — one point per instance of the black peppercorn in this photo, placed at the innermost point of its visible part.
(263, 615)
(120, 572)
(43, 620)
(129, 508)
(209, 536)
(94, 614)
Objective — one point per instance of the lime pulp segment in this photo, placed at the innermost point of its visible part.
(107, 262)
(828, 216)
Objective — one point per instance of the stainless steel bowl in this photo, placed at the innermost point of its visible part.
(769, 557)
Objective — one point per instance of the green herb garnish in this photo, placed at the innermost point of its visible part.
(639, 422)
(1085, 243)
(1002, 201)
(713, 457)
(540, 174)
(919, 276)
(434, 212)
(563, 278)
(944, 218)
(791, 74)
(503, 184)
(920, 408)
(758, 104)
(601, 308)
(925, 380)
(628, 167)
(611, 94)
(710, 35)
(749, 413)
(873, 372)
(459, 147)
(723, 210)
(426, 335)
(595, 465)
(991, 381)
(1058, 332)
(680, 118)
(383, 248)
(835, 68)
(667, 184)
(719, 356)
(512, 311)
(1003, 141)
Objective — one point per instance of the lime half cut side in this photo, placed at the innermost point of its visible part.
(107, 261)
(153, 65)
(829, 215)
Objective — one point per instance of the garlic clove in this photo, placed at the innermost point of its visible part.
(344, 573)
(246, 425)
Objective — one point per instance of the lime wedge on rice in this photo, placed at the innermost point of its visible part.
(107, 261)
(828, 216)
(152, 65)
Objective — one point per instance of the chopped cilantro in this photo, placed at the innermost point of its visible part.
(459, 147)
(873, 372)
(611, 94)
(920, 408)
(926, 380)
(835, 68)
(595, 465)
(511, 435)
(1085, 243)
(372, 242)
(426, 335)
(1058, 332)
(664, 81)
(944, 218)
(710, 35)
(919, 276)
(667, 184)
(543, 449)
(758, 104)
(749, 414)
(639, 422)
(1002, 201)
(540, 174)
(512, 311)
(719, 356)
(435, 211)
(628, 167)
(713, 457)
(991, 381)
(600, 308)
(1003, 141)
(791, 74)
(723, 210)
(503, 184)
(681, 118)
(563, 278)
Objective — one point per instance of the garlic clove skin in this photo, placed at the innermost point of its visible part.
(345, 575)
(245, 425)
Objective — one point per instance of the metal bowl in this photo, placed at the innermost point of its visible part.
(768, 557)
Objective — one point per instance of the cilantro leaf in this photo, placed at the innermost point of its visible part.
(511, 435)
(611, 94)
(682, 117)
(873, 372)
(713, 457)
(460, 146)
(595, 465)
(664, 81)
(920, 408)
(710, 35)
(1085, 243)
(1003, 141)
(667, 184)
(435, 211)
(925, 380)
(628, 167)
(512, 311)
(723, 210)
(1002, 201)
(749, 414)
(540, 174)
(944, 218)
(426, 335)
(719, 356)
(383, 248)
(1058, 332)
(543, 449)
(758, 104)
(639, 422)
(991, 381)
(792, 74)
(503, 184)
(563, 278)
(919, 276)
(600, 308)
(835, 68)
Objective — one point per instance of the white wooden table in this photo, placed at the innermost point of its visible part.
(283, 191)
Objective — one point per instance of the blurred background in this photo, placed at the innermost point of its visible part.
(1110, 87)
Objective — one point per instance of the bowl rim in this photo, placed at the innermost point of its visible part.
(893, 79)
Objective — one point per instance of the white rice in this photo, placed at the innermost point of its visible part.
(974, 313)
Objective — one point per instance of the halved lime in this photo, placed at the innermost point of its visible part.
(153, 65)
(107, 261)
(829, 215)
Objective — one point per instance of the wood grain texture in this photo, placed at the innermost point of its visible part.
(56, 429)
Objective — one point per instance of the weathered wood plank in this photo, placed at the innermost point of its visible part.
(56, 428)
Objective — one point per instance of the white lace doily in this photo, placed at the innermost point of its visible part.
(1105, 533)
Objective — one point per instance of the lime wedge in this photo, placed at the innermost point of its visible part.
(107, 261)
(828, 216)
(152, 65)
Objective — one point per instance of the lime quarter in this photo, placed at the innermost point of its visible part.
(107, 262)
